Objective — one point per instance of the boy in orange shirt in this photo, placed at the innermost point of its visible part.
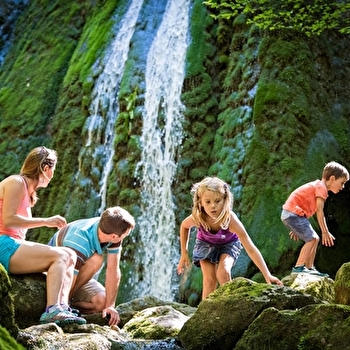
(303, 203)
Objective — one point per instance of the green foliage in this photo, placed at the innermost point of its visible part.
(305, 16)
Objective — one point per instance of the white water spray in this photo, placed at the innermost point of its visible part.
(161, 136)
(104, 107)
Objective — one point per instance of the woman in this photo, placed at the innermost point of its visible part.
(18, 256)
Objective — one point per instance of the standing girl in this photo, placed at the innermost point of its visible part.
(18, 256)
(219, 236)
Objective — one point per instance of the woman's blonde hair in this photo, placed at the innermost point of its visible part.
(221, 188)
(34, 165)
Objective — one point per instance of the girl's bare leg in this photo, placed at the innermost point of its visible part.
(209, 277)
(223, 272)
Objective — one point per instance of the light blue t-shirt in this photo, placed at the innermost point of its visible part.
(82, 237)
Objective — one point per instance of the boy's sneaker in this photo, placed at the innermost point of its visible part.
(300, 269)
(61, 317)
(313, 271)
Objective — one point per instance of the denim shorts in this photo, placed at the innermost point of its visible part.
(300, 225)
(8, 247)
(212, 252)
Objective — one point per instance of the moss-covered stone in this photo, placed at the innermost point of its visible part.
(229, 311)
(7, 312)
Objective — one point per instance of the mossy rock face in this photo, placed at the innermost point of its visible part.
(7, 312)
(310, 328)
(342, 285)
(223, 317)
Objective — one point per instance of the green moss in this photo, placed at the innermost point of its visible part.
(7, 342)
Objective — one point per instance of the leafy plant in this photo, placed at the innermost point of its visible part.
(310, 17)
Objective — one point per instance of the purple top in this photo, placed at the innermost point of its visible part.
(220, 237)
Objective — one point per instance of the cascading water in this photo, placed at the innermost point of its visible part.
(104, 107)
(161, 136)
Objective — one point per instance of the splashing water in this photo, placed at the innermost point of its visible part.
(161, 136)
(104, 107)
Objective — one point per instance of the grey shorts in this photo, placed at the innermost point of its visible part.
(88, 290)
(212, 252)
(8, 247)
(300, 225)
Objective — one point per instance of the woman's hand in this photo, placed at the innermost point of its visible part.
(56, 221)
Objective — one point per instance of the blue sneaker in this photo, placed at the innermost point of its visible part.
(61, 317)
(313, 271)
(300, 269)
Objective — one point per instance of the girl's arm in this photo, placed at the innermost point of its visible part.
(253, 252)
(184, 237)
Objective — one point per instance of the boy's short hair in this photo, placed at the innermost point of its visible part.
(116, 220)
(334, 169)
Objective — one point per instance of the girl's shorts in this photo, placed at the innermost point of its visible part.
(212, 252)
(300, 225)
(87, 291)
(8, 247)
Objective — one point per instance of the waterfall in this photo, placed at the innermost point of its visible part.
(161, 136)
(104, 107)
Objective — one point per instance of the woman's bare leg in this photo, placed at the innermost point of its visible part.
(33, 257)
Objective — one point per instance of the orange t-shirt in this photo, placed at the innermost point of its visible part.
(24, 209)
(302, 201)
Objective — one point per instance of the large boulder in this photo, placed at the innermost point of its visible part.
(313, 327)
(226, 314)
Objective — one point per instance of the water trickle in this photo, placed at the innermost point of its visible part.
(104, 107)
(161, 136)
